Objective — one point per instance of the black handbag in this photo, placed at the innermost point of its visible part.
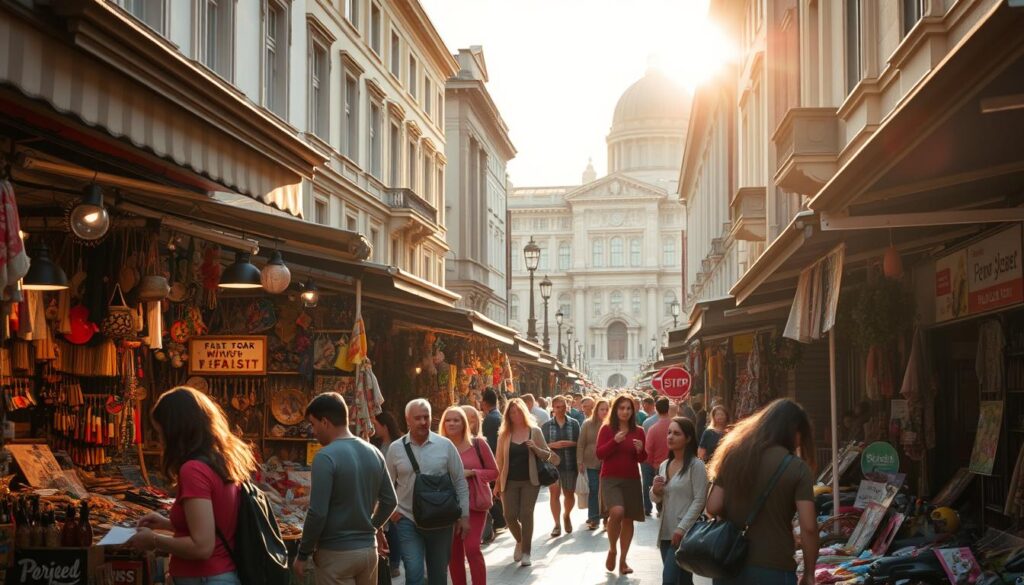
(435, 504)
(547, 474)
(717, 548)
(383, 571)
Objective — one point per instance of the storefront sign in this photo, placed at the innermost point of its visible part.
(673, 381)
(128, 572)
(982, 277)
(227, 355)
(880, 457)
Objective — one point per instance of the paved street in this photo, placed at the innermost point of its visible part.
(575, 559)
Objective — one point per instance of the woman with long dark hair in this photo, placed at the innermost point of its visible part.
(681, 488)
(747, 458)
(207, 463)
(713, 434)
(620, 447)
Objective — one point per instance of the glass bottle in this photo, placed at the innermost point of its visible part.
(22, 530)
(69, 532)
(38, 535)
(84, 526)
(51, 533)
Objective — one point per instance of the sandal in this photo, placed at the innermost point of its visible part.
(568, 524)
(556, 532)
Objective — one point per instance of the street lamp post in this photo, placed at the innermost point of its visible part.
(569, 347)
(545, 293)
(531, 253)
(675, 314)
(558, 319)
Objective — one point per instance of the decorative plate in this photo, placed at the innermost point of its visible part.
(288, 406)
(199, 383)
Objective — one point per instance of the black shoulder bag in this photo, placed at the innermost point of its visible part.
(547, 474)
(717, 548)
(435, 504)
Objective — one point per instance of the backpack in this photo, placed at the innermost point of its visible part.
(259, 553)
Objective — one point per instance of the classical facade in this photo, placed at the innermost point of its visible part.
(611, 245)
(478, 149)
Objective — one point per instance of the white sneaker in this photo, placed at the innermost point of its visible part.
(518, 555)
(526, 560)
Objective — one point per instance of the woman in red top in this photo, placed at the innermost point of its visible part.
(620, 447)
(207, 463)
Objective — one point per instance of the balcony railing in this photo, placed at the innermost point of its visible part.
(408, 199)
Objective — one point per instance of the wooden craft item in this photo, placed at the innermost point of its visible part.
(287, 406)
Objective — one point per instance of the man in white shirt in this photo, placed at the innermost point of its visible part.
(538, 413)
(435, 455)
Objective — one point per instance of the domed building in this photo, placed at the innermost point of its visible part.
(610, 245)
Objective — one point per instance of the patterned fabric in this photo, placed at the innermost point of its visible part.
(570, 431)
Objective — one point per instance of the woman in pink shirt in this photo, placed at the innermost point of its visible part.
(207, 463)
(481, 470)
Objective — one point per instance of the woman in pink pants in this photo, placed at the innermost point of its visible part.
(478, 461)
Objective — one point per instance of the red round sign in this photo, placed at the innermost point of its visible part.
(673, 381)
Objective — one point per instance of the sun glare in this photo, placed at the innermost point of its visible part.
(686, 45)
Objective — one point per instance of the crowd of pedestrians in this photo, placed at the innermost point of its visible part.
(425, 502)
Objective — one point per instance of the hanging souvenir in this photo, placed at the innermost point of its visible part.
(118, 324)
(325, 350)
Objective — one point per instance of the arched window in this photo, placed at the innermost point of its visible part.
(670, 297)
(616, 252)
(634, 302)
(597, 253)
(513, 308)
(668, 252)
(617, 337)
(565, 306)
(615, 303)
(564, 256)
(634, 252)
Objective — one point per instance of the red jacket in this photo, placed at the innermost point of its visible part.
(620, 459)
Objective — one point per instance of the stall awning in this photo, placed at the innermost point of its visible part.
(115, 86)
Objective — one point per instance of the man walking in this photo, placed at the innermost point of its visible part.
(490, 426)
(351, 498)
(562, 433)
(657, 449)
(538, 413)
(577, 408)
(435, 455)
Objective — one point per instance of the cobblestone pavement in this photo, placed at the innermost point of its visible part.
(574, 559)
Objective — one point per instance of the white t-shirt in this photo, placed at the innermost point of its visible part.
(541, 415)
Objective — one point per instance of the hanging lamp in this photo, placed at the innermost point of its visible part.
(275, 275)
(43, 273)
(241, 274)
(310, 294)
(89, 219)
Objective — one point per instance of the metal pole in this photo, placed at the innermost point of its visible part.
(559, 342)
(547, 337)
(835, 423)
(531, 324)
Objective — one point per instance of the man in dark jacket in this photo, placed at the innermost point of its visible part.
(489, 427)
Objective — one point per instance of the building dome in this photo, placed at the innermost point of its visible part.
(653, 99)
(649, 129)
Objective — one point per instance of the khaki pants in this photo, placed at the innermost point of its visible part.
(346, 567)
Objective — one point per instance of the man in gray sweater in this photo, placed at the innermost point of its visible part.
(351, 498)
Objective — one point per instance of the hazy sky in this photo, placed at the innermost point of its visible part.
(557, 68)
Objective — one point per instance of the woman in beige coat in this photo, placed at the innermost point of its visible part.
(520, 445)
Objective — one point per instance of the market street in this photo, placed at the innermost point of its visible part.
(574, 559)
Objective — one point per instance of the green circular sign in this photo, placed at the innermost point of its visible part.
(880, 457)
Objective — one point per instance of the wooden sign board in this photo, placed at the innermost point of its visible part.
(228, 355)
(37, 463)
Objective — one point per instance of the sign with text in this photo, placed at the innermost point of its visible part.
(50, 566)
(239, 355)
(982, 277)
(880, 457)
(673, 381)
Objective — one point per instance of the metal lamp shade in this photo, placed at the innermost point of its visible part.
(275, 275)
(559, 317)
(545, 288)
(43, 274)
(310, 294)
(241, 274)
(89, 219)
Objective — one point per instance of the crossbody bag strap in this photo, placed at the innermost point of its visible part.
(412, 458)
(764, 495)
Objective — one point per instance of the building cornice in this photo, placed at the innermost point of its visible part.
(418, 24)
(480, 100)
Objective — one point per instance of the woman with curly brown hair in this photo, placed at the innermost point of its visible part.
(207, 463)
(777, 440)
(620, 447)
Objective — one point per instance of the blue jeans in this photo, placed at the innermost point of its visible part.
(760, 576)
(222, 579)
(395, 556)
(430, 547)
(593, 498)
(647, 472)
(671, 574)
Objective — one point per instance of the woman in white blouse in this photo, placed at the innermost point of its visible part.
(681, 486)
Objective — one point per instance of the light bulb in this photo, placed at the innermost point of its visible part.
(89, 219)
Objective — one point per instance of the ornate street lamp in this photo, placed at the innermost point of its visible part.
(545, 293)
(675, 314)
(531, 252)
(558, 319)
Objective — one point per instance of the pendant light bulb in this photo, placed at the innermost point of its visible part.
(275, 275)
(43, 274)
(89, 218)
(241, 274)
(310, 294)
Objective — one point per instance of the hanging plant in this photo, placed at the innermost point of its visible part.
(875, 314)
